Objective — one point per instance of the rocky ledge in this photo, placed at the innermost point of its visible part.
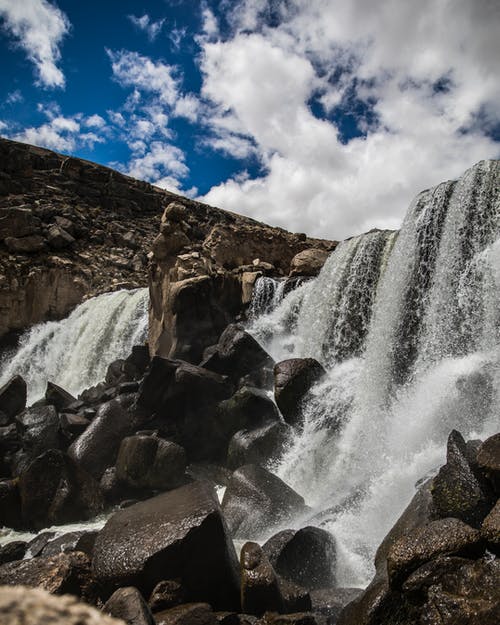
(70, 229)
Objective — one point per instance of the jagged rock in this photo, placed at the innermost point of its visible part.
(177, 535)
(71, 541)
(148, 462)
(306, 557)
(292, 380)
(490, 529)
(66, 573)
(187, 614)
(13, 551)
(260, 591)
(456, 492)
(442, 537)
(257, 446)
(25, 245)
(166, 594)
(330, 602)
(38, 544)
(58, 397)
(39, 430)
(72, 425)
(295, 597)
(58, 238)
(238, 354)
(32, 606)
(17, 222)
(97, 448)
(488, 459)
(54, 490)
(13, 397)
(308, 262)
(256, 500)
(129, 605)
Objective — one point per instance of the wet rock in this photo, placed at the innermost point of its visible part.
(306, 557)
(39, 430)
(13, 551)
(72, 425)
(295, 597)
(247, 408)
(97, 448)
(260, 591)
(308, 262)
(10, 504)
(71, 541)
(456, 492)
(58, 397)
(177, 535)
(13, 397)
(293, 378)
(238, 354)
(128, 605)
(299, 618)
(54, 490)
(442, 537)
(187, 614)
(330, 602)
(257, 446)
(148, 462)
(490, 529)
(32, 606)
(370, 607)
(256, 500)
(67, 573)
(167, 594)
(488, 459)
(38, 544)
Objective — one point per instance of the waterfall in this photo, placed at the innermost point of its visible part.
(75, 352)
(408, 359)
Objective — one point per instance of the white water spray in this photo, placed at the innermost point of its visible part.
(425, 360)
(75, 352)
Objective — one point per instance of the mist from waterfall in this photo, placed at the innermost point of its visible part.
(410, 339)
(75, 352)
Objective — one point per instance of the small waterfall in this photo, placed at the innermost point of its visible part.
(75, 352)
(267, 295)
(423, 360)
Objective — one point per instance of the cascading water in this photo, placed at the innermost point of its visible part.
(424, 360)
(75, 352)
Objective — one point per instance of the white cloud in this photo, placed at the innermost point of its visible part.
(94, 121)
(160, 160)
(424, 86)
(39, 27)
(3, 126)
(132, 69)
(14, 97)
(146, 24)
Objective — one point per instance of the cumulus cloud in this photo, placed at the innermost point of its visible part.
(418, 80)
(146, 24)
(39, 28)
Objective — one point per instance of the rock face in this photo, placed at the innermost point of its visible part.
(31, 606)
(292, 379)
(177, 535)
(308, 262)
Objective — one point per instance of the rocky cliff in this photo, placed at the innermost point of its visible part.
(70, 229)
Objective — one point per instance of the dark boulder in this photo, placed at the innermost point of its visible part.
(13, 551)
(187, 614)
(488, 459)
(456, 491)
(97, 448)
(293, 378)
(128, 604)
(237, 354)
(248, 408)
(25, 245)
(329, 602)
(260, 591)
(39, 430)
(177, 535)
(13, 397)
(67, 573)
(10, 504)
(59, 239)
(490, 529)
(442, 537)
(167, 594)
(298, 618)
(71, 541)
(306, 557)
(54, 490)
(38, 544)
(148, 462)
(72, 425)
(257, 446)
(256, 500)
(58, 397)
(16, 221)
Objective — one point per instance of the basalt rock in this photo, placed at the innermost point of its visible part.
(260, 591)
(167, 594)
(256, 500)
(39, 430)
(177, 535)
(293, 378)
(187, 614)
(12, 551)
(488, 459)
(257, 446)
(128, 605)
(13, 398)
(58, 397)
(490, 529)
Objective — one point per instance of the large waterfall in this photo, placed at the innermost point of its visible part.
(75, 352)
(408, 327)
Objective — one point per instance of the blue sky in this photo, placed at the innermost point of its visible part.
(324, 116)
